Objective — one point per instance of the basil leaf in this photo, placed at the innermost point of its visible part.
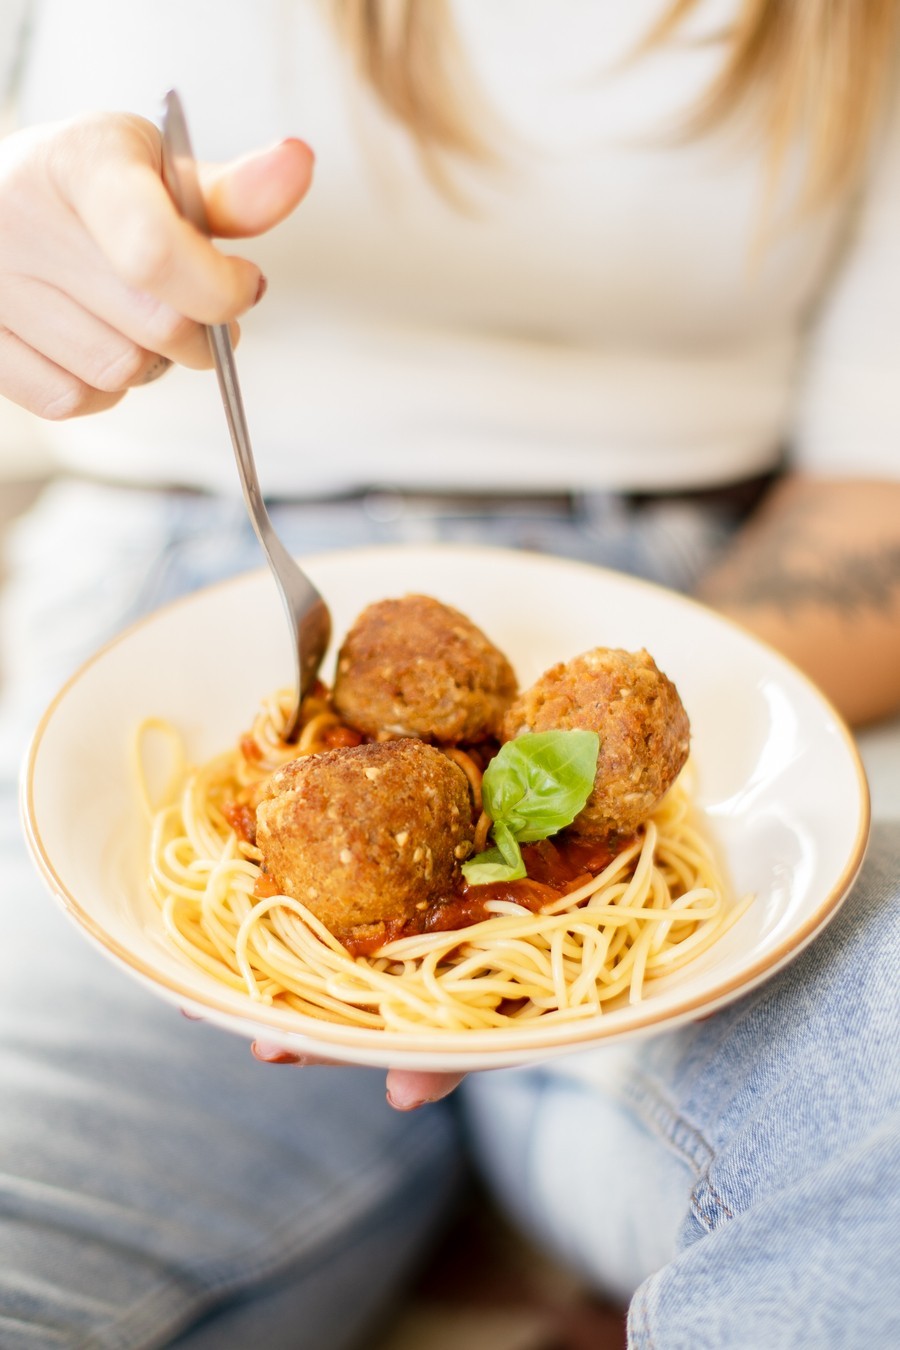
(487, 867)
(503, 863)
(507, 845)
(537, 783)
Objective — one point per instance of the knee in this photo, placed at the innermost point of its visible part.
(806, 1064)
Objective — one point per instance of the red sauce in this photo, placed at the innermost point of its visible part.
(341, 738)
(242, 820)
(265, 887)
(365, 943)
(559, 862)
(250, 749)
(554, 868)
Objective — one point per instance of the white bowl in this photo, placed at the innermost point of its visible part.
(777, 774)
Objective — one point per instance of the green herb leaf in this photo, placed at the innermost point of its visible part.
(490, 866)
(533, 787)
(507, 845)
(539, 782)
(503, 863)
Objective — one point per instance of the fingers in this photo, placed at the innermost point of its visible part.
(96, 353)
(44, 388)
(250, 195)
(127, 212)
(153, 249)
(146, 322)
(406, 1089)
(84, 356)
(268, 1053)
(99, 274)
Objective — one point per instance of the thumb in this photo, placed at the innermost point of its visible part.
(250, 195)
(408, 1089)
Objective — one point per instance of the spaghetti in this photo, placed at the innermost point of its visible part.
(657, 905)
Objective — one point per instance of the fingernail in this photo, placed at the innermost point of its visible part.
(297, 140)
(276, 146)
(272, 1054)
(261, 288)
(402, 1103)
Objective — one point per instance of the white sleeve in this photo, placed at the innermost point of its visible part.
(13, 16)
(848, 414)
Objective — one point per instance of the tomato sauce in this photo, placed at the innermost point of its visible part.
(341, 738)
(265, 887)
(359, 944)
(242, 819)
(554, 867)
(250, 749)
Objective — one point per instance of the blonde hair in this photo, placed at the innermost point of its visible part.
(812, 71)
(409, 54)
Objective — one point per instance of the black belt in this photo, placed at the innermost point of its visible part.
(388, 503)
(736, 499)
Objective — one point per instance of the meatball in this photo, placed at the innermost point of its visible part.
(643, 728)
(416, 667)
(366, 835)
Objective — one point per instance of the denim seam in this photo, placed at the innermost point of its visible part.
(171, 1307)
(659, 1114)
(705, 1191)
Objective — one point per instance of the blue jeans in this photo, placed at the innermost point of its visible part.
(738, 1180)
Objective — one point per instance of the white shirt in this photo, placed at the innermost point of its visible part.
(596, 318)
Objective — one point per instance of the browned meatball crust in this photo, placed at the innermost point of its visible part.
(368, 834)
(643, 728)
(416, 667)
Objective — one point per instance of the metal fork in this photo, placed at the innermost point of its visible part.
(306, 610)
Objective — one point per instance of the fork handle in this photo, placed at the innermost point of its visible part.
(279, 560)
(230, 389)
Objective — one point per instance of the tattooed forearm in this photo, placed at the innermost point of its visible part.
(846, 583)
(817, 575)
(815, 546)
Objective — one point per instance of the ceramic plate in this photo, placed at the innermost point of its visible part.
(777, 775)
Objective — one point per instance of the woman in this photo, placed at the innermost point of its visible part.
(525, 301)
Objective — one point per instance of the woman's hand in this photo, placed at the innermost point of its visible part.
(406, 1089)
(102, 283)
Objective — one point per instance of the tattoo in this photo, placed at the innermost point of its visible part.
(790, 560)
(153, 372)
(848, 583)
